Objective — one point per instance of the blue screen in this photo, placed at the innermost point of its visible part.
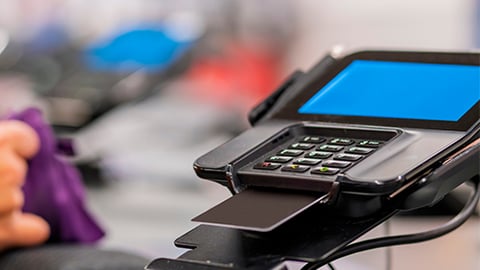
(422, 91)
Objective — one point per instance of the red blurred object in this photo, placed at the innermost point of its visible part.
(239, 78)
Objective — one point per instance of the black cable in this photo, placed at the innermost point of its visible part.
(330, 266)
(454, 223)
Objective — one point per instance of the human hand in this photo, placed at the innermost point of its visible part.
(18, 142)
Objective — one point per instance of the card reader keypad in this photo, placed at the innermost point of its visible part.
(319, 155)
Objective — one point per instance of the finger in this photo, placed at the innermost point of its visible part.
(13, 169)
(20, 137)
(23, 229)
(11, 199)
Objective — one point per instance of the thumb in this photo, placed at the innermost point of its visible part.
(22, 229)
(20, 137)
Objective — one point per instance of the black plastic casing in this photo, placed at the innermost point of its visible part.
(409, 154)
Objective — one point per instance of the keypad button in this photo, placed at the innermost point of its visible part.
(290, 152)
(330, 148)
(313, 139)
(279, 159)
(325, 171)
(340, 141)
(318, 154)
(368, 143)
(295, 168)
(347, 157)
(307, 161)
(301, 146)
(359, 150)
(266, 166)
(336, 164)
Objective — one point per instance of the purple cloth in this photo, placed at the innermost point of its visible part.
(53, 188)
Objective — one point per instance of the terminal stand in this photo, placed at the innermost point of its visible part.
(314, 234)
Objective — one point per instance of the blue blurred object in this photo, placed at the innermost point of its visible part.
(152, 49)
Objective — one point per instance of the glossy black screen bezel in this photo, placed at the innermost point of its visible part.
(290, 110)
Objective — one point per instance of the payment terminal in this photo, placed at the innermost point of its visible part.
(360, 127)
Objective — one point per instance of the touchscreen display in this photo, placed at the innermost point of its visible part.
(404, 90)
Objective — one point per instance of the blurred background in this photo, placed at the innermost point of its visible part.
(144, 87)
